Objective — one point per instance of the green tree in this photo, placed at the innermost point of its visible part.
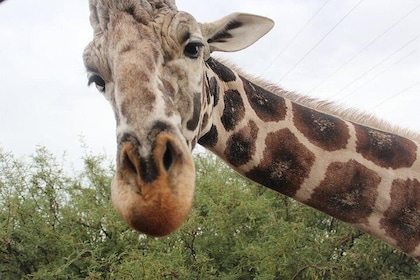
(60, 226)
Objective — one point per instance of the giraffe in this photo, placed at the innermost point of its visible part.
(154, 65)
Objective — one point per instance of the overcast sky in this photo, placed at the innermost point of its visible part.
(363, 53)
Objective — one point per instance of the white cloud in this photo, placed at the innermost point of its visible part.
(44, 99)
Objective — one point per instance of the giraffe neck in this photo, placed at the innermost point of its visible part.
(358, 174)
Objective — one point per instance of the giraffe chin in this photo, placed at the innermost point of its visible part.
(159, 207)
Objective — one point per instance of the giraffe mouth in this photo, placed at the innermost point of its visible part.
(154, 194)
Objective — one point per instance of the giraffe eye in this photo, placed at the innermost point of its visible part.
(193, 49)
(99, 82)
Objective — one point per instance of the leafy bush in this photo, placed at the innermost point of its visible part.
(60, 226)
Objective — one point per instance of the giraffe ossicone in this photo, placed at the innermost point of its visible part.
(153, 63)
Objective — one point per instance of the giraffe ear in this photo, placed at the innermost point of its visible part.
(235, 32)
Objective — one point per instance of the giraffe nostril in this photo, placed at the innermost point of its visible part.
(128, 164)
(168, 157)
(128, 161)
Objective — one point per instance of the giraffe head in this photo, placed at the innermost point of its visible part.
(148, 60)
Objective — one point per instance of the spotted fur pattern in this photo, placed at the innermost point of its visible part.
(359, 174)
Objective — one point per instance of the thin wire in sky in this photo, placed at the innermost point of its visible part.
(395, 95)
(295, 36)
(392, 26)
(382, 72)
(375, 66)
(320, 41)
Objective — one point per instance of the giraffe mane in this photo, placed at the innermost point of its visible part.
(330, 107)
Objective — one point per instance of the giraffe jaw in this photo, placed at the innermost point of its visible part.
(155, 207)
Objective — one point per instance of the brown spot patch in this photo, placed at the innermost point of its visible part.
(131, 83)
(241, 146)
(130, 105)
(193, 122)
(223, 72)
(268, 106)
(213, 90)
(168, 94)
(348, 192)
(209, 140)
(147, 100)
(168, 89)
(234, 110)
(385, 149)
(193, 143)
(205, 121)
(324, 131)
(285, 165)
(402, 219)
(131, 78)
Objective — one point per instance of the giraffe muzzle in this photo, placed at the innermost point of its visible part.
(153, 193)
(146, 169)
